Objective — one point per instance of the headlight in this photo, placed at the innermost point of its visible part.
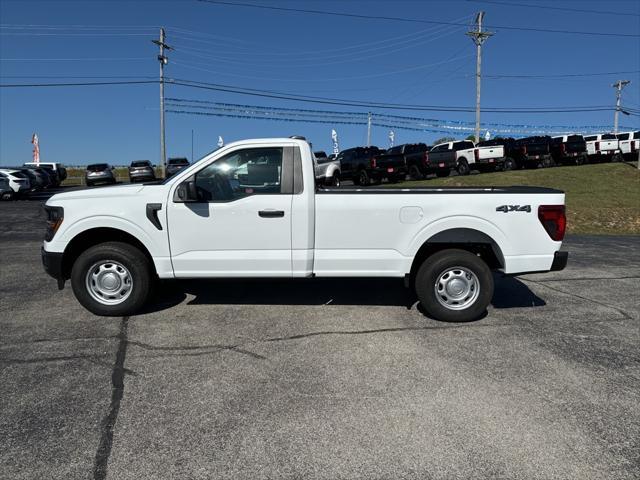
(55, 215)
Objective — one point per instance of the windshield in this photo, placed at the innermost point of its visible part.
(141, 164)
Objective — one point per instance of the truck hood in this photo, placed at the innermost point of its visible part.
(97, 192)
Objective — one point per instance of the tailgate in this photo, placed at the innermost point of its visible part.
(390, 161)
(490, 153)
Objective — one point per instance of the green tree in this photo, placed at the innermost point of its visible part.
(471, 137)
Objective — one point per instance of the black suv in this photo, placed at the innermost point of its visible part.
(365, 165)
(174, 165)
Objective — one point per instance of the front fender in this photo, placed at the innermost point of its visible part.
(62, 238)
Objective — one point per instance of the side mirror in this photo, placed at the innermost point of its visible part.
(186, 192)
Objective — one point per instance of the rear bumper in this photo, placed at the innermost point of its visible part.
(380, 172)
(559, 261)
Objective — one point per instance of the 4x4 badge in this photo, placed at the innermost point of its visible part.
(513, 208)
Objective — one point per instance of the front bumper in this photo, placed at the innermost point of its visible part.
(52, 263)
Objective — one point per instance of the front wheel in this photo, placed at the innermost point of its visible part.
(415, 173)
(334, 180)
(454, 286)
(111, 279)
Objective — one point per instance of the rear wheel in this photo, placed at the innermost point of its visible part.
(415, 173)
(111, 279)
(454, 286)
(363, 178)
(617, 157)
(463, 167)
(581, 159)
(548, 162)
(509, 164)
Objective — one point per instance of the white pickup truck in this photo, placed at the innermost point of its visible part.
(603, 146)
(252, 209)
(463, 154)
(629, 145)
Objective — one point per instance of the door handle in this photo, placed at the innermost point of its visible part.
(271, 213)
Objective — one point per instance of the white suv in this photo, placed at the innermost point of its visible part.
(18, 181)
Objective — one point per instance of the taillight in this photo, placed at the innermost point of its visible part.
(523, 149)
(553, 220)
(373, 162)
(425, 158)
(563, 148)
(476, 154)
(633, 146)
(597, 145)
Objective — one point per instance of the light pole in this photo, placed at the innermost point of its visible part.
(478, 37)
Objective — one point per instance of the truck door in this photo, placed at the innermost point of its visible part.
(241, 223)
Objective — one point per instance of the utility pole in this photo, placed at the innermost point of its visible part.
(478, 37)
(369, 129)
(619, 85)
(163, 61)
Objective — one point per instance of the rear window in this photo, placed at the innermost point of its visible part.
(575, 138)
(607, 136)
(590, 138)
(97, 167)
(178, 161)
(636, 135)
(142, 163)
(623, 136)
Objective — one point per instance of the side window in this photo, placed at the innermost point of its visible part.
(240, 174)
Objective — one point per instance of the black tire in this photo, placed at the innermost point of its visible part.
(581, 160)
(509, 164)
(415, 173)
(442, 173)
(126, 255)
(334, 180)
(363, 179)
(617, 157)
(548, 162)
(427, 281)
(90, 184)
(463, 167)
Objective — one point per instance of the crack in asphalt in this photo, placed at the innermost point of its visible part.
(571, 294)
(108, 423)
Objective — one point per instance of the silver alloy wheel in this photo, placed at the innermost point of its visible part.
(109, 282)
(457, 288)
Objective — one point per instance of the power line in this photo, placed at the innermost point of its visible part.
(320, 100)
(355, 103)
(83, 84)
(412, 20)
(87, 59)
(566, 9)
(561, 75)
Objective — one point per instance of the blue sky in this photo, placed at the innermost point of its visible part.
(328, 56)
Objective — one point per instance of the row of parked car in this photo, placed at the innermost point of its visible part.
(367, 165)
(16, 182)
(139, 171)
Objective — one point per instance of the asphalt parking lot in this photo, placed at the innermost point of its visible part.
(322, 378)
